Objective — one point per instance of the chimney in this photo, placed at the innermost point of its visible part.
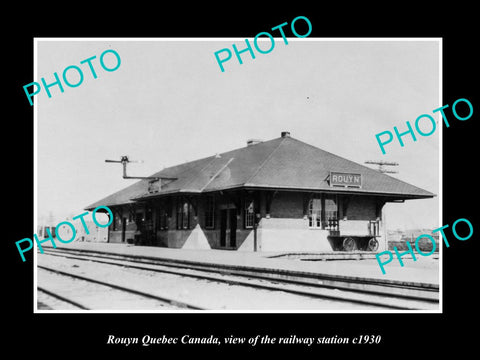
(251, 142)
(285, 134)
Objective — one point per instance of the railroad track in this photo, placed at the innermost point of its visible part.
(119, 292)
(370, 292)
(62, 299)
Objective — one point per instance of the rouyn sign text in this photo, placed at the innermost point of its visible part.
(345, 179)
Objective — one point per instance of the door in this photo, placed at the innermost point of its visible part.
(233, 227)
(223, 227)
(124, 228)
(228, 228)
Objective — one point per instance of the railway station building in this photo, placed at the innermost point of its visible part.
(276, 195)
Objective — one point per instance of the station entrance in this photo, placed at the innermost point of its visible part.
(228, 228)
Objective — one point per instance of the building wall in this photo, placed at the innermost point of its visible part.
(287, 205)
(115, 236)
(284, 228)
(282, 234)
(361, 208)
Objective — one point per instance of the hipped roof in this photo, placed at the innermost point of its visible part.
(283, 163)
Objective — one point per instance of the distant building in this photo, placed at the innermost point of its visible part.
(96, 233)
(394, 235)
(277, 195)
(398, 238)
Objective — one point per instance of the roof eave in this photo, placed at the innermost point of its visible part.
(354, 191)
(164, 193)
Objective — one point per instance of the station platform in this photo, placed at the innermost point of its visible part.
(425, 270)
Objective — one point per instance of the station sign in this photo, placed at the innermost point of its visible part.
(345, 179)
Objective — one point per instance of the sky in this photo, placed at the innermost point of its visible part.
(168, 102)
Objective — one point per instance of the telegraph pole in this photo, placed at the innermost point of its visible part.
(381, 166)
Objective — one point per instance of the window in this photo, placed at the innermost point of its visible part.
(331, 213)
(162, 219)
(315, 212)
(162, 215)
(249, 213)
(323, 212)
(331, 210)
(148, 214)
(140, 222)
(117, 222)
(183, 214)
(210, 212)
(139, 217)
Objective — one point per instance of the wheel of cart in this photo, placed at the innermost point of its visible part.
(349, 244)
(372, 244)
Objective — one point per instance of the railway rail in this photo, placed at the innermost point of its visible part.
(61, 299)
(119, 290)
(381, 294)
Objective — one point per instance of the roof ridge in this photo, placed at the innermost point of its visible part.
(265, 161)
(188, 163)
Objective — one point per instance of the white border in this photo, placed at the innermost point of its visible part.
(35, 185)
(440, 195)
